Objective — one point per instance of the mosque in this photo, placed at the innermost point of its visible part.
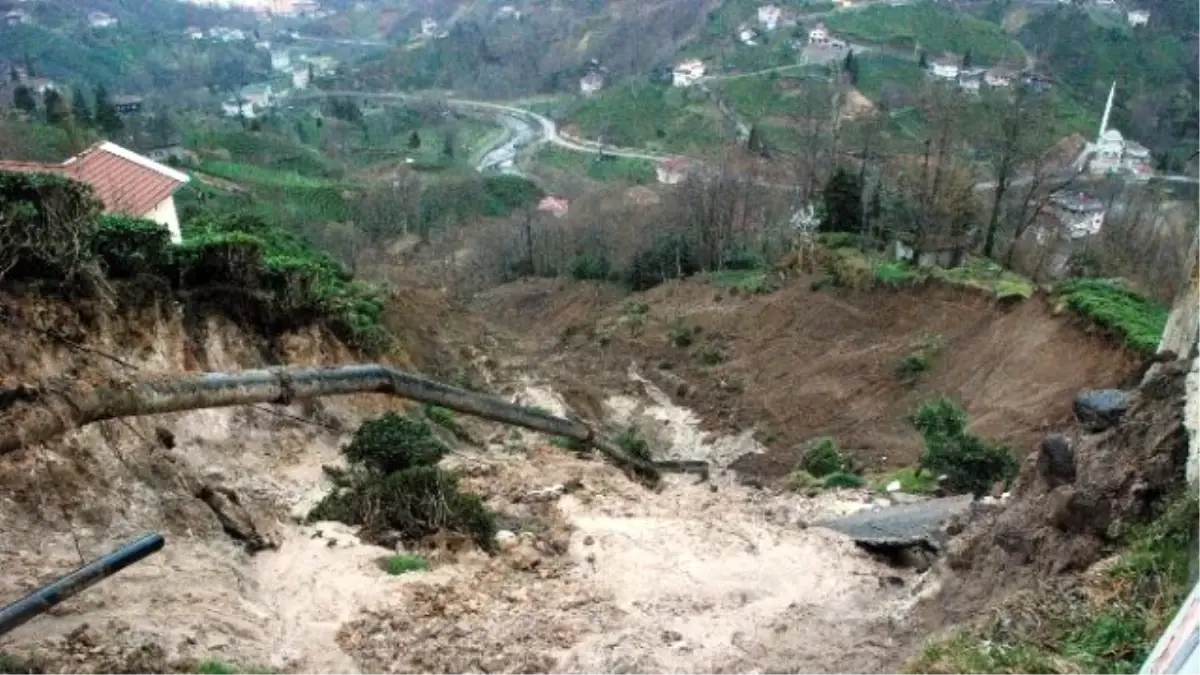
(1113, 154)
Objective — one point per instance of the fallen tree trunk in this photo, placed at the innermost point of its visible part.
(34, 414)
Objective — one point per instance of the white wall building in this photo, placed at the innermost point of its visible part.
(1112, 153)
(944, 69)
(688, 73)
(768, 16)
(1138, 17)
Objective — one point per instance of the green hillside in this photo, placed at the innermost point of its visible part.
(931, 27)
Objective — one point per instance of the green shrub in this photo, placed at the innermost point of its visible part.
(214, 667)
(443, 417)
(630, 440)
(918, 362)
(402, 564)
(969, 463)
(804, 482)
(47, 225)
(1133, 318)
(587, 267)
(395, 443)
(132, 246)
(843, 480)
(681, 334)
(710, 354)
(11, 664)
(393, 485)
(822, 457)
(837, 240)
(635, 307)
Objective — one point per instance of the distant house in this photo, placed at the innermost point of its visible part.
(999, 77)
(225, 34)
(948, 252)
(17, 17)
(39, 85)
(946, 69)
(688, 73)
(260, 96)
(300, 78)
(591, 83)
(233, 107)
(555, 206)
(124, 181)
(673, 170)
(167, 153)
(1138, 17)
(819, 35)
(322, 65)
(1081, 215)
(194, 33)
(768, 16)
(281, 59)
(508, 12)
(429, 27)
(747, 34)
(127, 105)
(101, 20)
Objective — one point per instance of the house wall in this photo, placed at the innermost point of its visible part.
(164, 214)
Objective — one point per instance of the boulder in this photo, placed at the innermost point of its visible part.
(1100, 409)
(1056, 460)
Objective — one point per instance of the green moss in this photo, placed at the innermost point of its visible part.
(403, 564)
(1137, 321)
(911, 480)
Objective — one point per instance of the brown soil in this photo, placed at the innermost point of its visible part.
(801, 364)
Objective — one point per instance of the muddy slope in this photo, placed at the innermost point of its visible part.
(799, 364)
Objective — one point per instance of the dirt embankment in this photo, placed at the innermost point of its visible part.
(795, 364)
(204, 596)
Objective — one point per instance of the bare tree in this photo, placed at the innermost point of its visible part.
(1010, 144)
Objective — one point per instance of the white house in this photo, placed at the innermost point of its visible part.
(945, 69)
(260, 96)
(747, 35)
(508, 12)
(300, 78)
(1112, 153)
(281, 59)
(688, 73)
(233, 107)
(101, 20)
(819, 35)
(429, 27)
(1080, 215)
(1138, 17)
(16, 17)
(768, 16)
(125, 182)
(591, 83)
(998, 77)
(673, 170)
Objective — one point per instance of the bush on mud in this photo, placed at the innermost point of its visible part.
(681, 334)
(631, 441)
(393, 486)
(969, 463)
(1137, 321)
(403, 564)
(1109, 625)
(823, 457)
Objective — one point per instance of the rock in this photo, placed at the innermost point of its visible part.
(505, 540)
(893, 486)
(1100, 409)
(1056, 460)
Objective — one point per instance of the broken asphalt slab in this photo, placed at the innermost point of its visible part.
(903, 525)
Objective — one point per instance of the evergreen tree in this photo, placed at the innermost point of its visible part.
(755, 142)
(843, 202)
(107, 117)
(923, 61)
(80, 109)
(161, 128)
(966, 60)
(414, 141)
(29, 72)
(13, 74)
(850, 66)
(23, 99)
(57, 112)
(448, 146)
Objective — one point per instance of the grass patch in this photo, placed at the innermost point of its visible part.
(681, 334)
(710, 354)
(214, 667)
(1107, 626)
(912, 481)
(843, 480)
(259, 175)
(936, 28)
(748, 280)
(639, 113)
(1137, 321)
(396, 565)
(587, 164)
(631, 441)
(917, 362)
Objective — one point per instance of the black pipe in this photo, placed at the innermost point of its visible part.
(55, 592)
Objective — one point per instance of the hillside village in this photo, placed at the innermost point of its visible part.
(416, 335)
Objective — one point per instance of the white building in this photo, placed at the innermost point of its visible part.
(944, 69)
(1138, 17)
(101, 20)
(688, 73)
(819, 35)
(429, 27)
(1079, 214)
(768, 16)
(747, 35)
(998, 77)
(1113, 154)
(591, 83)
(16, 17)
(300, 78)
(508, 12)
(281, 59)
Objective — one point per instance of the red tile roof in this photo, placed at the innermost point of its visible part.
(123, 180)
